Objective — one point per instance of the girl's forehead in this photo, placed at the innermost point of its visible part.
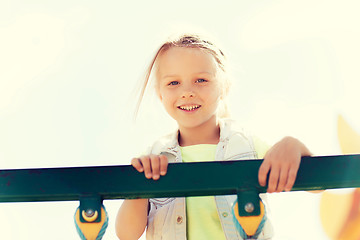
(186, 59)
(184, 53)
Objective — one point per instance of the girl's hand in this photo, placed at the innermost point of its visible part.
(283, 161)
(152, 165)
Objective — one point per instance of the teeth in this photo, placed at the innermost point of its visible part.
(189, 108)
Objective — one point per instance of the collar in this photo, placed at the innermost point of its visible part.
(170, 143)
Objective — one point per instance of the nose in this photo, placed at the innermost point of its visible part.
(188, 94)
(187, 90)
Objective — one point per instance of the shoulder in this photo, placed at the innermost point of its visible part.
(164, 143)
(231, 129)
(237, 135)
(260, 146)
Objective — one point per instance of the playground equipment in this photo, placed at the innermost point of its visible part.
(92, 185)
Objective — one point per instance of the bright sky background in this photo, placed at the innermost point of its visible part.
(68, 70)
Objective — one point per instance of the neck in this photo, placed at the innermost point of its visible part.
(207, 133)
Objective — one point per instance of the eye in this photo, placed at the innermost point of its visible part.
(201, 80)
(173, 83)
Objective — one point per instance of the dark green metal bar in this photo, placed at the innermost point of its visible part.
(182, 180)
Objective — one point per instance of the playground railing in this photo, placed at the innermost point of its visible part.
(92, 185)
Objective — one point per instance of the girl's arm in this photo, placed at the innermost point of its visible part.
(282, 161)
(131, 219)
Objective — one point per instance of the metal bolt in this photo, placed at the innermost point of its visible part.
(249, 207)
(89, 212)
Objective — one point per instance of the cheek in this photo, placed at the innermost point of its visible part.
(214, 95)
(166, 97)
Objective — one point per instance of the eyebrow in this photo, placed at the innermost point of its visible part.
(175, 75)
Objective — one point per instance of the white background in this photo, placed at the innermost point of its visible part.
(68, 70)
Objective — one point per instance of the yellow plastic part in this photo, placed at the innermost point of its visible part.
(340, 212)
(351, 230)
(334, 209)
(250, 223)
(90, 229)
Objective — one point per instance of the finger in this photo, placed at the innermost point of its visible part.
(136, 163)
(155, 166)
(291, 178)
(163, 165)
(283, 179)
(145, 160)
(263, 172)
(273, 179)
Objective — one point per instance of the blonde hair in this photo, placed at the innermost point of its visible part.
(190, 41)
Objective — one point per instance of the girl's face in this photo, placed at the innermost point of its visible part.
(189, 86)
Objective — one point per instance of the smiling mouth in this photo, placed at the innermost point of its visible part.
(189, 107)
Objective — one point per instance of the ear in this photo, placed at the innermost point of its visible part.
(223, 84)
(158, 93)
(223, 91)
(222, 94)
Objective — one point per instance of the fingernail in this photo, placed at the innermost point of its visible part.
(149, 175)
(162, 173)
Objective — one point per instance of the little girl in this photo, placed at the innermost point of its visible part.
(192, 84)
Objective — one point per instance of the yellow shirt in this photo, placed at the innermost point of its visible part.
(201, 213)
